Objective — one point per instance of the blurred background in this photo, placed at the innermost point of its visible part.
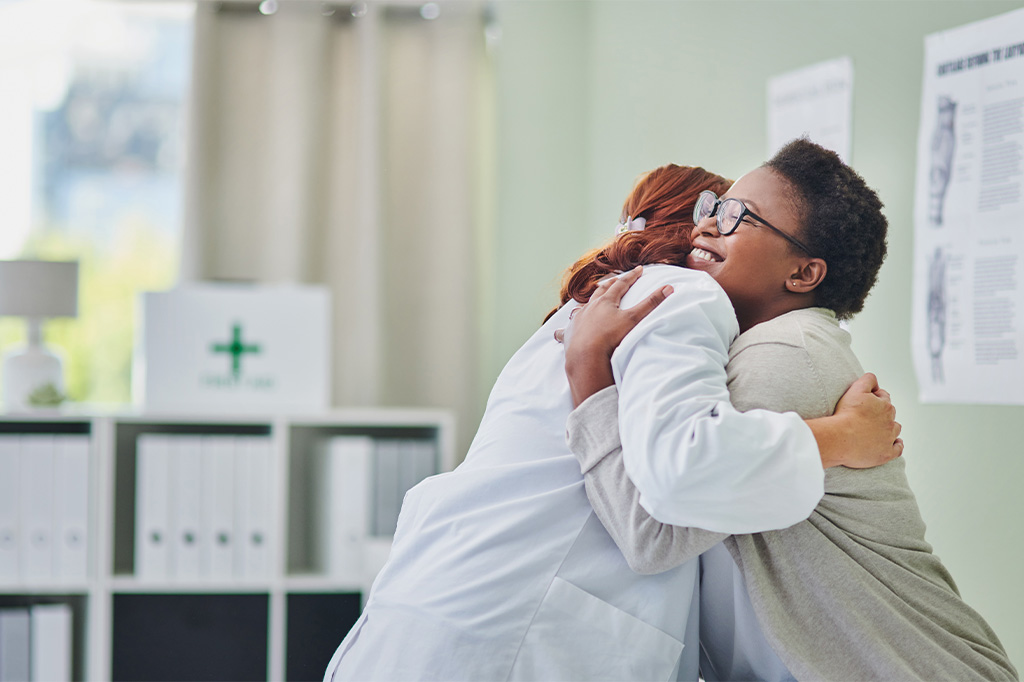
(438, 166)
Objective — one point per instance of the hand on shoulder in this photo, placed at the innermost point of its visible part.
(863, 432)
(596, 329)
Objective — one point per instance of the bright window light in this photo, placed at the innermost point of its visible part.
(91, 156)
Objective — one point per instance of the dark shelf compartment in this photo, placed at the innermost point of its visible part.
(190, 637)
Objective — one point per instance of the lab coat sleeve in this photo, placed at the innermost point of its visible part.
(696, 460)
(648, 546)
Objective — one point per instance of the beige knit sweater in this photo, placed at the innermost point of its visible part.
(852, 593)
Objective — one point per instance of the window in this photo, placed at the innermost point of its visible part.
(92, 112)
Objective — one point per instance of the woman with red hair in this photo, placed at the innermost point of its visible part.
(654, 228)
(500, 570)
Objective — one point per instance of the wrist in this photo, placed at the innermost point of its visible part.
(582, 356)
(832, 438)
(588, 373)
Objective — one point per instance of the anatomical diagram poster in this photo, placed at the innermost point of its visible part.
(968, 309)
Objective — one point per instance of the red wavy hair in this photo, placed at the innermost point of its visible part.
(665, 198)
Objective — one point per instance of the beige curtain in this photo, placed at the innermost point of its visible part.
(344, 150)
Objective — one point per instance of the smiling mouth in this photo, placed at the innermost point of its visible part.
(701, 254)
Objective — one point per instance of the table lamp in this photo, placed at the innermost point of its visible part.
(36, 290)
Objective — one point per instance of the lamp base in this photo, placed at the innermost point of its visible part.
(33, 379)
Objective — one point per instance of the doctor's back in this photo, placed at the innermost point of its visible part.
(501, 571)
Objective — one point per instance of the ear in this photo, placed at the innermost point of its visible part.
(806, 276)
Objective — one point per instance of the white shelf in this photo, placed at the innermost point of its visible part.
(133, 586)
(312, 583)
(28, 588)
(111, 580)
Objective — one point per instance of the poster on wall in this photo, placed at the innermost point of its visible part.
(814, 101)
(968, 310)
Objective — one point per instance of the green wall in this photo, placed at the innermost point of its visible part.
(540, 76)
(591, 94)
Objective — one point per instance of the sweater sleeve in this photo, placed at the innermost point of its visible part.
(754, 381)
(647, 545)
(799, 362)
(697, 461)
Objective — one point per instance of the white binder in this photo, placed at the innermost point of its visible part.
(152, 507)
(71, 502)
(254, 464)
(10, 513)
(186, 507)
(418, 462)
(342, 475)
(217, 549)
(15, 647)
(386, 483)
(37, 474)
(51, 643)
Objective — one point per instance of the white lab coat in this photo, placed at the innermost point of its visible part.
(501, 571)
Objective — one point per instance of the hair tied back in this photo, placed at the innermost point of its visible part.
(631, 224)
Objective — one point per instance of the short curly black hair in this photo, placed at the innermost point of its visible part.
(842, 222)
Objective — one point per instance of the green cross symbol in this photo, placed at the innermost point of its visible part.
(237, 349)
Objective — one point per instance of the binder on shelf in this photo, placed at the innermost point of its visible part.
(400, 464)
(71, 508)
(75, 479)
(51, 643)
(15, 645)
(419, 461)
(152, 507)
(217, 546)
(386, 499)
(341, 476)
(186, 507)
(254, 467)
(10, 513)
(37, 518)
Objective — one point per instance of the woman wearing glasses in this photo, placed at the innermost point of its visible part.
(853, 592)
(501, 571)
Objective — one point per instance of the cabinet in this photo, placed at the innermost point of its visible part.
(281, 623)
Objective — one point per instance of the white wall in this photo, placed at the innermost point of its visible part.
(591, 94)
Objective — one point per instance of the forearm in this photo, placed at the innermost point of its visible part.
(696, 461)
(717, 468)
(648, 545)
(833, 438)
(589, 371)
(863, 432)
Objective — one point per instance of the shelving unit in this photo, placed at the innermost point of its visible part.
(281, 627)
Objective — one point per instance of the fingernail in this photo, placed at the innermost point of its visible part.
(667, 289)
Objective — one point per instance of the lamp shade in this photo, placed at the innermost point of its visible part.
(35, 288)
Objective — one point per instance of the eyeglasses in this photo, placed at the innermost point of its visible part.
(731, 213)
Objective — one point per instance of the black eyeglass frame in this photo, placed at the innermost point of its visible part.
(715, 213)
